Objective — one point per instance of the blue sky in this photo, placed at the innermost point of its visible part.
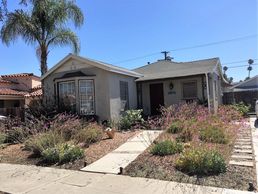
(117, 30)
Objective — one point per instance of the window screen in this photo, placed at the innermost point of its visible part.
(124, 95)
(189, 90)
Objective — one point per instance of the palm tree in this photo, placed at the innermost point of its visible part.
(45, 25)
(225, 68)
(249, 68)
(3, 9)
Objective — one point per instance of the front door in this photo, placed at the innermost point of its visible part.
(156, 98)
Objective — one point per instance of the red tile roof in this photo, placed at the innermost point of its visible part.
(19, 75)
(6, 91)
(36, 93)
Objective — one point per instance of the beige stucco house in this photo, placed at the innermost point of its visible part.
(16, 91)
(91, 87)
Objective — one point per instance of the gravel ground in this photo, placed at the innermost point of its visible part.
(16, 154)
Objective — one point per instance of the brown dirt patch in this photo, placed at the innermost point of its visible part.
(15, 154)
(163, 168)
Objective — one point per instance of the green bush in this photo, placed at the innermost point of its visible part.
(16, 135)
(62, 153)
(130, 118)
(2, 138)
(242, 108)
(90, 134)
(166, 147)
(38, 143)
(185, 136)
(199, 161)
(175, 127)
(213, 134)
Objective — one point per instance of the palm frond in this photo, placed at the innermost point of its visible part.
(18, 24)
(64, 37)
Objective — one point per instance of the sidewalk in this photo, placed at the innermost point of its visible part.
(31, 179)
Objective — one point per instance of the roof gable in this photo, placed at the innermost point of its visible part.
(98, 64)
(167, 69)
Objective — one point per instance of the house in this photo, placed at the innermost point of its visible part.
(246, 91)
(91, 87)
(15, 92)
(166, 82)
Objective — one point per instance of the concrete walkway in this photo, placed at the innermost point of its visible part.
(124, 155)
(21, 179)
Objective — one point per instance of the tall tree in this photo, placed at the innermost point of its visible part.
(44, 23)
(3, 9)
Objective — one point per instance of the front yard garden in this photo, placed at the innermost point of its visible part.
(195, 147)
(64, 141)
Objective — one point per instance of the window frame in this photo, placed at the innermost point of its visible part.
(127, 105)
(187, 82)
(93, 94)
(73, 106)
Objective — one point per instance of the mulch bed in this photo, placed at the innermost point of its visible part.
(163, 168)
(15, 154)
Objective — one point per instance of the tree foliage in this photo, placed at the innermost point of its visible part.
(44, 23)
(3, 9)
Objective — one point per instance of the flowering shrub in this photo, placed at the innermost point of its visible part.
(213, 134)
(38, 143)
(89, 134)
(62, 153)
(241, 108)
(185, 136)
(200, 161)
(166, 147)
(175, 127)
(130, 118)
(227, 113)
(66, 125)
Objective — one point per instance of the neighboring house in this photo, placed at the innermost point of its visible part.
(246, 91)
(91, 87)
(15, 90)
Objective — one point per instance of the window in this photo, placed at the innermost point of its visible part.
(87, 101)
(139, 95)
(1, 104)
(190, 90)
(124, 95)
(67, 96)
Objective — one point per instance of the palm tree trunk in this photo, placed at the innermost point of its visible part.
(43, 69)
(43, 61)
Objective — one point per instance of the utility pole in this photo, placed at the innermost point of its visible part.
(165, 54)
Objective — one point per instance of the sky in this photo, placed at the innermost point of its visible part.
(117, 30)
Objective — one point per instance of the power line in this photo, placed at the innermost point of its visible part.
(234, 62)
(190, 47)
(242, 66)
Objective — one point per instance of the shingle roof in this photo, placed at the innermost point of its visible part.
(169, 69)
(6, 91)
(251, 83)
